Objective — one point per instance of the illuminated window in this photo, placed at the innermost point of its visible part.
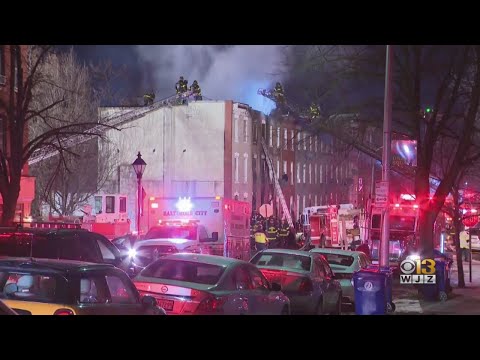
(298, 173)
(299, 140)
(285, 167)
(270, 142)
(278, 137)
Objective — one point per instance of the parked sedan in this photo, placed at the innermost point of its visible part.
(344, 263)
(190, 284)
(67, 287)
(305, 277)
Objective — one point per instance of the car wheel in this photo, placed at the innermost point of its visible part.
(285, 311)
(338, 306)
(319, 308)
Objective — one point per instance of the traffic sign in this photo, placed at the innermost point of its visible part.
(381, 193)
(266, 210)
(470, 221)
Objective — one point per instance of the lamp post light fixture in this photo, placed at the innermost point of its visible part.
(139, 166)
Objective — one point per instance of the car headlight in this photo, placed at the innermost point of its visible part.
(132, 253)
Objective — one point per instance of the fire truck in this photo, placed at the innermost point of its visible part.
(333, 225)
(403, 217)
(207, 225)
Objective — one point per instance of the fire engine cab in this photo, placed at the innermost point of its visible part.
(207, 225)
(332, 225)
(403, 217)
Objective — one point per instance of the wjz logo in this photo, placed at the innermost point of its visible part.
(417, 271)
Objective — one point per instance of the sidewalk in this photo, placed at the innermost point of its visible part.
(460, 302)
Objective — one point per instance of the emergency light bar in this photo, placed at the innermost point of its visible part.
(184, 204)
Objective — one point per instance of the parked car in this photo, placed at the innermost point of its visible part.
(67, 287)
(125, 242)
(6, 310)
(305, 277)
(344, 263)
(68, 244)
(190, 284)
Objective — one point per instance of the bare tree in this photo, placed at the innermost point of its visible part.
(447, 75)
(35, 97)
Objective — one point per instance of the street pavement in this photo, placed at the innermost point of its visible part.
(464, 301)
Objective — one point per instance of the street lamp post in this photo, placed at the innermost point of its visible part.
(139, 166)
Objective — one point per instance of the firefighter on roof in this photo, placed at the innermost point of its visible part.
(278, 94)
(181, 86)
(148, 98)
(196, 91)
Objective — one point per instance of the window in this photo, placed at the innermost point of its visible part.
(291, 172)
(278, 169)
(120, 291)
(285, 139)
(278, 137)
(310, 141)
(93, 290)
(336, 173)
(258, 280)
(2, 134)
(98, 205)
(235, 167)
(319, 269)
(288, 261)
(110, 204)
(75, 248)
(16, 64)
(326, 174)
(321, 174)
(123, 204)
(304, 141)
(245, 130)
(315, 173)
(291, 203)
(255, 131)
(304, 173)
(32, 286)
(331, 171)
(339, 259)
(107, 254)
(303, 207)
(309, 173)
(292, 139)
(321, 145)
(235, 128)
(245, 168)
(285, 168)
(270, 141)
(328, 270)
(299, 140)
(316, 143)
(195, 272)
(298, 173)
(316, 203)
(242, 279)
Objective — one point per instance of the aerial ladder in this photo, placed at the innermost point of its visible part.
(112, 121)
(278, 189)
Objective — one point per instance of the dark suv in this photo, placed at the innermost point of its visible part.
(75, 244)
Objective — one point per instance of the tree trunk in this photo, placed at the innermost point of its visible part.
(425, 231)
(10, 205)
(457, 226)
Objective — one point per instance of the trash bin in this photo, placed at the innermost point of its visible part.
(441, 288)
(373, 291)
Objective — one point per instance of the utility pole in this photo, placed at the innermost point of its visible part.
(386, 155)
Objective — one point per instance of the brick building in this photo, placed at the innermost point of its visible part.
(11, 57)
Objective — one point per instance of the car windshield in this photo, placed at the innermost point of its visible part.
(338, 259)
(29, 286)
(172, 232)
(289, 261)
(188, 271)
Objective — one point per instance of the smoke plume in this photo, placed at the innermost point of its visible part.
(223, 72)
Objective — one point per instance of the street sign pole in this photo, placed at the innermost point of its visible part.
(386, 154)
(470, 254)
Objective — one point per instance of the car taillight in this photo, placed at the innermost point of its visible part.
(306, 285)
(211, 304)
(63, 312)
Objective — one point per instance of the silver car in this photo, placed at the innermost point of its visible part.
(195, 284)
(344, 263)
(305, 277)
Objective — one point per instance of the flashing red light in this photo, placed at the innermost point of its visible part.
(154, 205)
(63, 312)
(415, 206)
(473, 211)
(227, 207)
(397, 205)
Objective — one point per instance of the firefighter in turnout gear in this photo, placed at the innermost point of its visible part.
(283, 231)
(314, 111)
(148, 98)
(272, 233)
(181, 86)
(261, 241)
(196, 91)
(278, 94)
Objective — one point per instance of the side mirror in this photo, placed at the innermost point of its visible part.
(215, 236)
(276, 287)
(149, 301)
